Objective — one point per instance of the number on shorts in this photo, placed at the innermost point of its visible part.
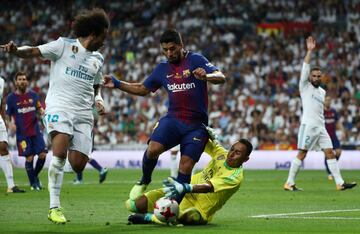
(52, 118)
(307, 140)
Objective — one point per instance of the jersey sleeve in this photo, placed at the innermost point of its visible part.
(52, 50)
(153, 82)
(9, 109)
(200, 61)
(214, 149)
(99, 80)
(228, 180)
(37, 101)
(304, 77)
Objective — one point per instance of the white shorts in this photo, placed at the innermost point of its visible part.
(3, 132)
(78, 127)
(175, 148)
(313, 138)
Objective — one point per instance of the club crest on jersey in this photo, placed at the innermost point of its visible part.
(177, 76)
(221, 157)
(95, 66)
(186, 73)
(23, 145)
(75, 49)
(31, 101)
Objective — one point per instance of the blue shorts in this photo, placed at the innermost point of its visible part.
(192, 138)
(335, 142)
(33, 145)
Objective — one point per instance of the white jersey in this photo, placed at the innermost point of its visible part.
(74, 71)
(2, 86)
(312, 100)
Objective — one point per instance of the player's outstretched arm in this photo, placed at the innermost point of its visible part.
(21, 52)
(133, 88)
(217, 77)
(310, 46)
(174, 189)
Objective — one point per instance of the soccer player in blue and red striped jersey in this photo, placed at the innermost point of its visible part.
(332, 124)
(184, 75)
(25, 108)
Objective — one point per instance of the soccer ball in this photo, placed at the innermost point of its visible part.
(166, 210)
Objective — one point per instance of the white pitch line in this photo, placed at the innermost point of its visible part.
(314, 217)
(302, 213)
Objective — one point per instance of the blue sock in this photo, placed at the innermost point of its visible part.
(327, 167)
(30, 172)
(182, 178)
(39, 165)
(95, 164)
(148, 166)
(79, 176)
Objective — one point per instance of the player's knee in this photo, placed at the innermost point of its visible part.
(4, 148)
(329, 153)
(29, 158)
(131, 206)
(154, 150)
(42, 155)
(186, 165)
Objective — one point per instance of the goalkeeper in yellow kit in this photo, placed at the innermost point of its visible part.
(209, 189)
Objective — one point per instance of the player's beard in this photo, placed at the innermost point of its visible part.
(316, 84)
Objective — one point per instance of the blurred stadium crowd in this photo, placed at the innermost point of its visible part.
(258, 44)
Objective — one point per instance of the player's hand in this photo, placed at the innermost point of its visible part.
(310, 43)
(108, 82)
(212, 133)
(100, 107)
(9, 47)
(200, 73)
(174, 189)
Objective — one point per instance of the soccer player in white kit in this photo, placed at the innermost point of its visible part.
(5, 162)
(312, 133)
(75, 76)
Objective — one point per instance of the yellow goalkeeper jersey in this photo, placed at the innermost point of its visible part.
(226, 181)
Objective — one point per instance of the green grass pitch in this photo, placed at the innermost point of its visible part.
(99, 208)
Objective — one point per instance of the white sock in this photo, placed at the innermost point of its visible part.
(294, 169)
(6, 165)
(173, 166)
(55, 175)
(335, 171)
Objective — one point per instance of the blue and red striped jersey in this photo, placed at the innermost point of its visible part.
(188, 96)
(331, 118)
(22, 107)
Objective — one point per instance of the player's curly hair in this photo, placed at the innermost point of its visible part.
(249, 146)
(89, 22)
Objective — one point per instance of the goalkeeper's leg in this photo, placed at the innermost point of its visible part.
(145, 203)
(192, 216)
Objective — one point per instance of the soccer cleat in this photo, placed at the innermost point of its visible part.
(345, 186)
(137, 219)
(35, 187)
(330, 177)
(137, 190)
(38, 184)
(15, 189)
(76, 181)
(56, 216)
(293, 188)
(102, 175)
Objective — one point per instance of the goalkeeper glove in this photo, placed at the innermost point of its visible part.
(212, 133)
(174, 189)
